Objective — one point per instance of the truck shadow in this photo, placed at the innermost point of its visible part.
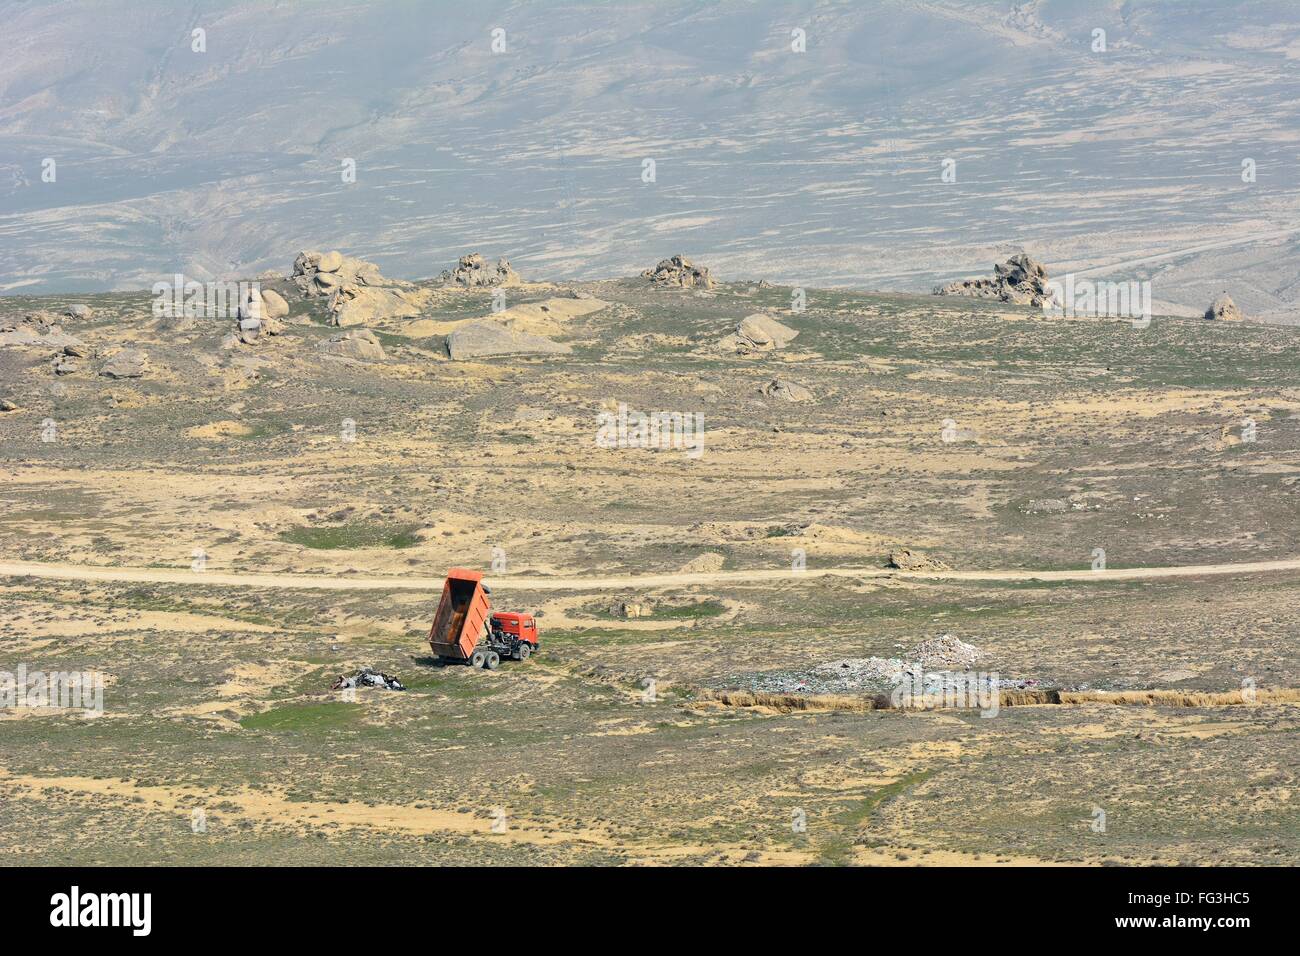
(430, 661)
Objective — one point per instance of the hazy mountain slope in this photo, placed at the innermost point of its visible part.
(820, 167)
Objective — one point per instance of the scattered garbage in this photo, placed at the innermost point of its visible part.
(935, 664)
(368, 677)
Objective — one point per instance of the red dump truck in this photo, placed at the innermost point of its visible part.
(466, 632)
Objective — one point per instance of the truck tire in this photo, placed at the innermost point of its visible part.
(493, 660)
(478, 659)
(524, 652)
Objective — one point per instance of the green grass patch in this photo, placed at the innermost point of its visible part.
(838, 850)
(680, 611)
(306, 718)
(357, 534)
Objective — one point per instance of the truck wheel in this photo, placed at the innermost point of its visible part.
(477, 659)
(493, 661)
(525, 651)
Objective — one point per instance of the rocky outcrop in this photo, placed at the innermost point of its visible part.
(362, 305)
(474, 272)
(487, 337)
(358, 292)
(679, 273)
(359, 345)
(128, 363)
(1223, 309)
(783, 391)
(1020, 280)
(36, 328)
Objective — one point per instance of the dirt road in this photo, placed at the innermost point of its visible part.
(524, 582)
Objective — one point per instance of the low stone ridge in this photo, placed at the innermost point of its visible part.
(487, 337)
(473, 271)
(679, 272)
(1020, 281)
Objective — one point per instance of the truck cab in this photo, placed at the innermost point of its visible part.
(515, 630)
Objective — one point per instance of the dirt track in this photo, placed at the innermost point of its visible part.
(71, 572)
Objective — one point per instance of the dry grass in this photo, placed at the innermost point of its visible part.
(790, 703)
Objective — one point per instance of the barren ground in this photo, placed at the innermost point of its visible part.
(1071, 436)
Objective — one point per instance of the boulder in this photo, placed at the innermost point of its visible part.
(360, 345)
(8, 405)
(631, 609)
(473, 271)
(273, 305)
(1020, 280)
(679, 272)
(487, 337)
(330, 262)
(1223, 309)
(128, 363)
(758, 333)
(306, 263)
(361, 305)
(781, 390)
(78, 311)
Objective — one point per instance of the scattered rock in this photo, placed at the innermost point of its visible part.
(1020, 280)
(905, 559)
(1051, 506)
(359, 345)
(1223, 309)
(781, 390)
(65, 365)
(128, 363)
(679, 272)
(473, 271)
(487, 337)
